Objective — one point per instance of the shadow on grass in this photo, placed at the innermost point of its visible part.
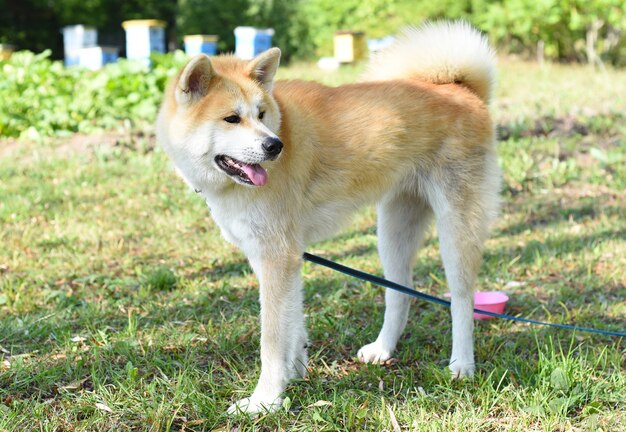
(544, 214)
(216, 272)
(536, 250)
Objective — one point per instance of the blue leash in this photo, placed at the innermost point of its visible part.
(429, 298)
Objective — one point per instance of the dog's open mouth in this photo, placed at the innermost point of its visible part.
(252, 174)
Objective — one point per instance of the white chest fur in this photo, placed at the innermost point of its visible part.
(235, 218)
(256, 224)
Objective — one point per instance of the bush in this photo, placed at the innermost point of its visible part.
(43, 98)
(582, 30)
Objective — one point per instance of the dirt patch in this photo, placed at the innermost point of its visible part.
(567, 126)
(9, 147)
(78, 143)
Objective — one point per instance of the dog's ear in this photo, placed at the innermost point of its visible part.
(193, 82)
(263, 67)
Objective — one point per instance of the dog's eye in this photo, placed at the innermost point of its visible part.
(261, 115)
(233, 119)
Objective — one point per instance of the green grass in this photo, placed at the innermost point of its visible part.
(121, 308)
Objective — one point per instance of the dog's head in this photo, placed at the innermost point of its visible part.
(219, 121)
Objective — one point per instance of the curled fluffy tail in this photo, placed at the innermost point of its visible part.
(439, 52)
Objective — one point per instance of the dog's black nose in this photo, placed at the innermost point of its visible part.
(272, 146)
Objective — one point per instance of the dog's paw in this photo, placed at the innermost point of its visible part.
(374, 353)
(460, 370)
(253, 405)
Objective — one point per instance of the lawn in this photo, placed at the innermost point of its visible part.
(121, 308)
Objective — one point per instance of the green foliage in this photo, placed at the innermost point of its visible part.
(42, 98)
(580, 30)
(289, 20)
(567, 29)
(572, 30)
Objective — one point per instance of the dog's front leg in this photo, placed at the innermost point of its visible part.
(283, 333)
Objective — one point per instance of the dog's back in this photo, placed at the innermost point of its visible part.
(420, 109)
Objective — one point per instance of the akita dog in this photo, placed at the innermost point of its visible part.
(284, 164)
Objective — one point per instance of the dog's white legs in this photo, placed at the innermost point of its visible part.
(402, 222)
(460, 261)
(462, 223)
(283, 333)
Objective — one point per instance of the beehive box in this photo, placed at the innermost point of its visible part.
(200, 44)
(251, 41)
(350, 46)
(76, 37)
(144, 37)
(96, 57)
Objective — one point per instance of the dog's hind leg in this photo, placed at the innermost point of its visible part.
(402, 222)
(464, 205)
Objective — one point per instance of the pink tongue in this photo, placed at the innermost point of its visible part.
(256, 173)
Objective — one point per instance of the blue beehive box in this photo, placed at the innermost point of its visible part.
(96, 57)
(200, 44)
(250, 41)
(76, 37)
(144, 37)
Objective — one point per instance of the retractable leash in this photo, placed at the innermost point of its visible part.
(432, 299)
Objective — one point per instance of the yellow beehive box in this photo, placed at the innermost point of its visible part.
(349, 46)
(5, 51)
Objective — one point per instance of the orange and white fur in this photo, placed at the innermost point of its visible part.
(284, 164)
